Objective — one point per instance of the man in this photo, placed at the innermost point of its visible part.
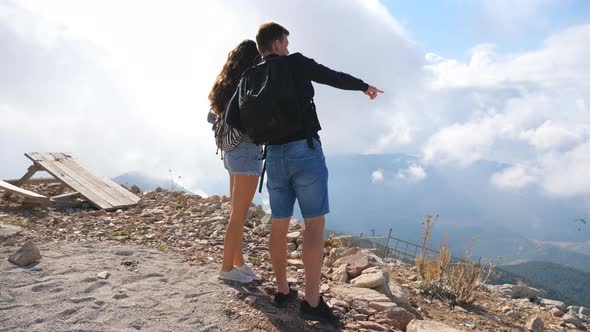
(296, 169)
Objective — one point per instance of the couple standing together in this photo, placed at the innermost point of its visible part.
(264, 96)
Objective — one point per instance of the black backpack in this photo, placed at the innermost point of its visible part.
(269, 105)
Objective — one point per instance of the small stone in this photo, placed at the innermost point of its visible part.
(428, 326)
(250, 300)
(535, 325)
(26, 255)
(324, 288)
(291, 247)
(10, 242)
(556, 312)
(372, 326)
(340, 274)
(103, 275)
(380, 306)
(295, 262)
(513, 314)
(291, 237)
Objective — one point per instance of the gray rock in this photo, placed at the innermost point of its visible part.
(429, 326)
(8, 231)
(584, 311)
(372, 326)
(349, 294)
(381, 306)
(517, 291)
(553, 304)
(573, 319)
(534, 325)
(10, 242)
(340, 274)
(556, 312)
(292, 237)
(398, 317)
(26, 255)
(369, 278)
(103, 275)
(358, 262)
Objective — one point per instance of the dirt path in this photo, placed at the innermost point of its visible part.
(147, 290)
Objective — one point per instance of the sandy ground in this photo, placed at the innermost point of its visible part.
(148, 290)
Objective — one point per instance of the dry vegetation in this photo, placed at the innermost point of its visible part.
(442, 276)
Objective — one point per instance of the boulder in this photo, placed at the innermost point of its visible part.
(292, 237)
(517, 291)
(397, 317)
(380, 306)
(553, 304)
(429, 326)
(358, 262)
(26, 255)
(573, 319)
(369, 278)
(372, 326)
(534, 325)
(350, 294)
(340, 274)
(556, 312)
(8, 231)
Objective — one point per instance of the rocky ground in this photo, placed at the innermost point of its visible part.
(169, 231)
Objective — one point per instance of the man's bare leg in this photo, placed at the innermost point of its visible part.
(313, 255)
(277, 246)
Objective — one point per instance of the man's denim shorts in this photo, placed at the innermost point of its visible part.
(244, 159)
(294, 171)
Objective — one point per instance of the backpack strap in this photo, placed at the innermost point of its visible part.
(308, 133)
(263, 170)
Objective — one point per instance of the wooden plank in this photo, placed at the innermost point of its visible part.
(22, 192)
(118, 200)
(85, 187)
(35, 181)
(57, 172)
(31, 171)
(130, 197)
(63, 196)
(109, 187)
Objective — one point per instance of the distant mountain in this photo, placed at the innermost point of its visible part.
(560, 282)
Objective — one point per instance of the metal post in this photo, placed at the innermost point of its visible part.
(387, 244)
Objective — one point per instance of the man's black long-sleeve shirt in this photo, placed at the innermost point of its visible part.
(304, 71)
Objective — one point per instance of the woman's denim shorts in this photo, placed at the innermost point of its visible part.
(244, 159)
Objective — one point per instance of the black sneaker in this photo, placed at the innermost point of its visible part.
(282, 300)
(321, 313)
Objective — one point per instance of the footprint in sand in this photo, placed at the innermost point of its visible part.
(95, 286)
(47, 287)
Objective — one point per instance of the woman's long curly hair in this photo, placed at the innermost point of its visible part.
(239, 59)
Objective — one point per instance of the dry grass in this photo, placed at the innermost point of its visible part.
(442, 276)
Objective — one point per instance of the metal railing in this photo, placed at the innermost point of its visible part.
(392, 247)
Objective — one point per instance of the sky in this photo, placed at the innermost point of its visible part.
(123, 85)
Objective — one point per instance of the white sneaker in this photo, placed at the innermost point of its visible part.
(248, 271)
(235, 275)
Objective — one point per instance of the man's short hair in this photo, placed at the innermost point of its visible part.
(267, 34)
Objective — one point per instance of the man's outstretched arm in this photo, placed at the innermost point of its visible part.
(324, 75)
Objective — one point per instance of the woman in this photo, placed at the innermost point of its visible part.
(244, 164)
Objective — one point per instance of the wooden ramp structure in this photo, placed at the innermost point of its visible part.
(101, 192)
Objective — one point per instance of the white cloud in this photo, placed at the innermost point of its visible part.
(567, 174)
(513, 177)
(132, 94)
(549, 136)
(414, 172)
(377, 176)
